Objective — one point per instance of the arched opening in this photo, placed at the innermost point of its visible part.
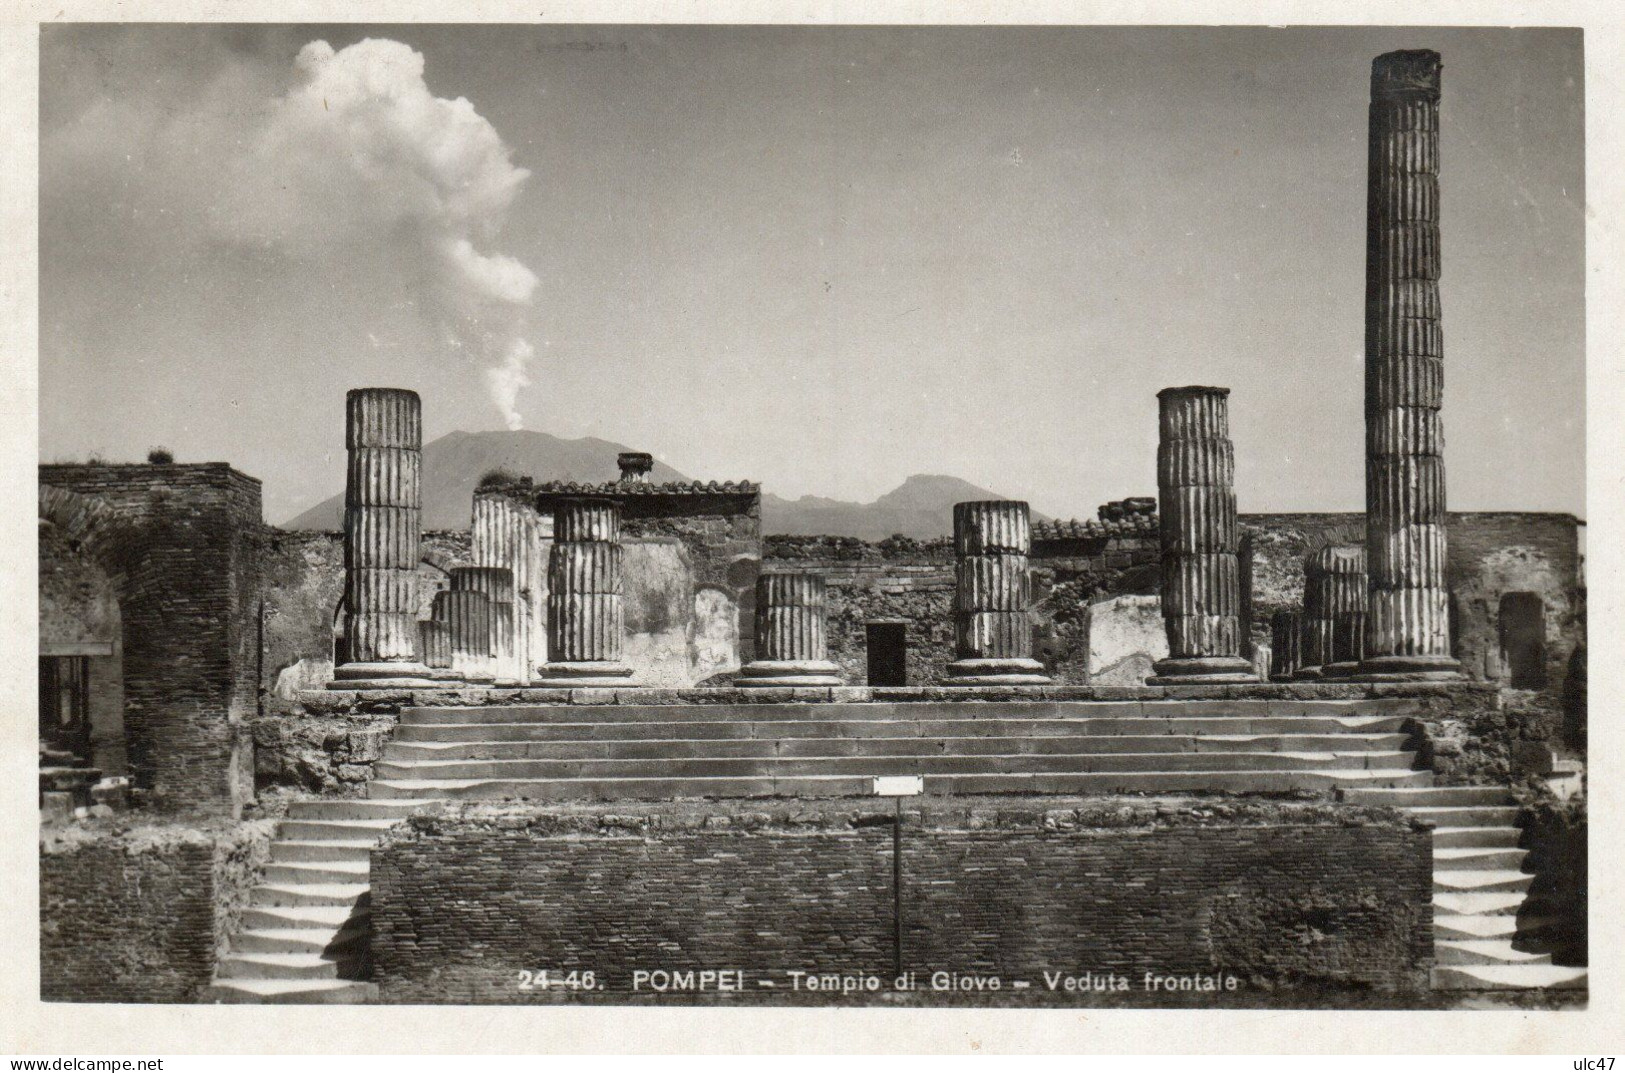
(1522, 624)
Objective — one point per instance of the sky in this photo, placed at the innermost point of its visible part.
(820, 258)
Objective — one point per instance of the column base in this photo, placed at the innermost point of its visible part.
(382, 675)
(444, 674)
(996, 672)
(1408, 669)
(583, 675)
(1339, 670)
(1201, 670)
(763, 673)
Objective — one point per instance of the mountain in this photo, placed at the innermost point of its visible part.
(454, 464)
(921, 507)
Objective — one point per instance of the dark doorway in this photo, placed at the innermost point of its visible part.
(1522, 621)
(64, 705)
(887, 643)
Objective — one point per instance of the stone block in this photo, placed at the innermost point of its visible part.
(1126, 636)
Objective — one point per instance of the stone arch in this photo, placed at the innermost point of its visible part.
(89, 524)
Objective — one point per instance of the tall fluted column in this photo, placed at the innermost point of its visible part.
(1201, 576)
(383, 434)
(585, 617)
(496, 583)
(792, 648)
(1286, 645)
(1344, 602)
(467, 615)
(506, 534)
(1408, 627)
(992, 596)
(434, 642)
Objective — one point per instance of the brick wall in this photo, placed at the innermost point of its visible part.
(1280, 896)
(182, 543)
(140, 915)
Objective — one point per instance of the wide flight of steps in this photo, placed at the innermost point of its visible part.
(305, 934)
(1486, 934)
(661, 751)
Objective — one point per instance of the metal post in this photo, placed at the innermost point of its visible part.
(897, 887)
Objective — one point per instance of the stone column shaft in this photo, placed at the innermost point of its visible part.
(383, 436)
(434, 642)
(993, 595)
(1343, 604)
(467, 615)
(791, 644)
(1286, 645)
(1201, 574)
(496, 583)
(585, 616)
(1408, 623)
(506, 534)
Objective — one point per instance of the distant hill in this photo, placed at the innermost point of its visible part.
(454, 464)
(921, 507)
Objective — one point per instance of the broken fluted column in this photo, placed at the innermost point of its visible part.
(1201, 583)
(507, 535)
(992, 595)
(383, 434)
(496, 583)
(467, 615)
(434, 642)
(1343, 603)
(1286, 645)
(1408, 626)
(791, 644)
(584, 610)
(1317, 621)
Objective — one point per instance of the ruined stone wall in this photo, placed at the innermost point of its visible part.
(1281, 896)
(182, 543)
(304, 582)
(140, 915)
(78, 606)
(913, 581)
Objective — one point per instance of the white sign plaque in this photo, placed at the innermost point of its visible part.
(899, 785)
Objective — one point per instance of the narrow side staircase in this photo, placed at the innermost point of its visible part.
(305, 934)
(1487, 934)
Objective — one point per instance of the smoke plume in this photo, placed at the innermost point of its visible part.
(361, 154)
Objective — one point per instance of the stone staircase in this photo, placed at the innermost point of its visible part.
(1488, 935)
(305, 933)
(663, 751)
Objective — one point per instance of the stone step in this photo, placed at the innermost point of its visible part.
(354, 808)
(300, 940)
(1469, 903)
(1479, 881)
(285, 967)
(1456, 837)
(667, 748)
(294, 873)
(305, 992)
(1509, 978)
(752, 767)
(1482, 926)
(333, 849)
(330, 917)
(856, 786)
(1472, 816)
(333, 830)
(1433, 796)
(277, 894)
(680, 721)
(1478, 857)
(1484, 952)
